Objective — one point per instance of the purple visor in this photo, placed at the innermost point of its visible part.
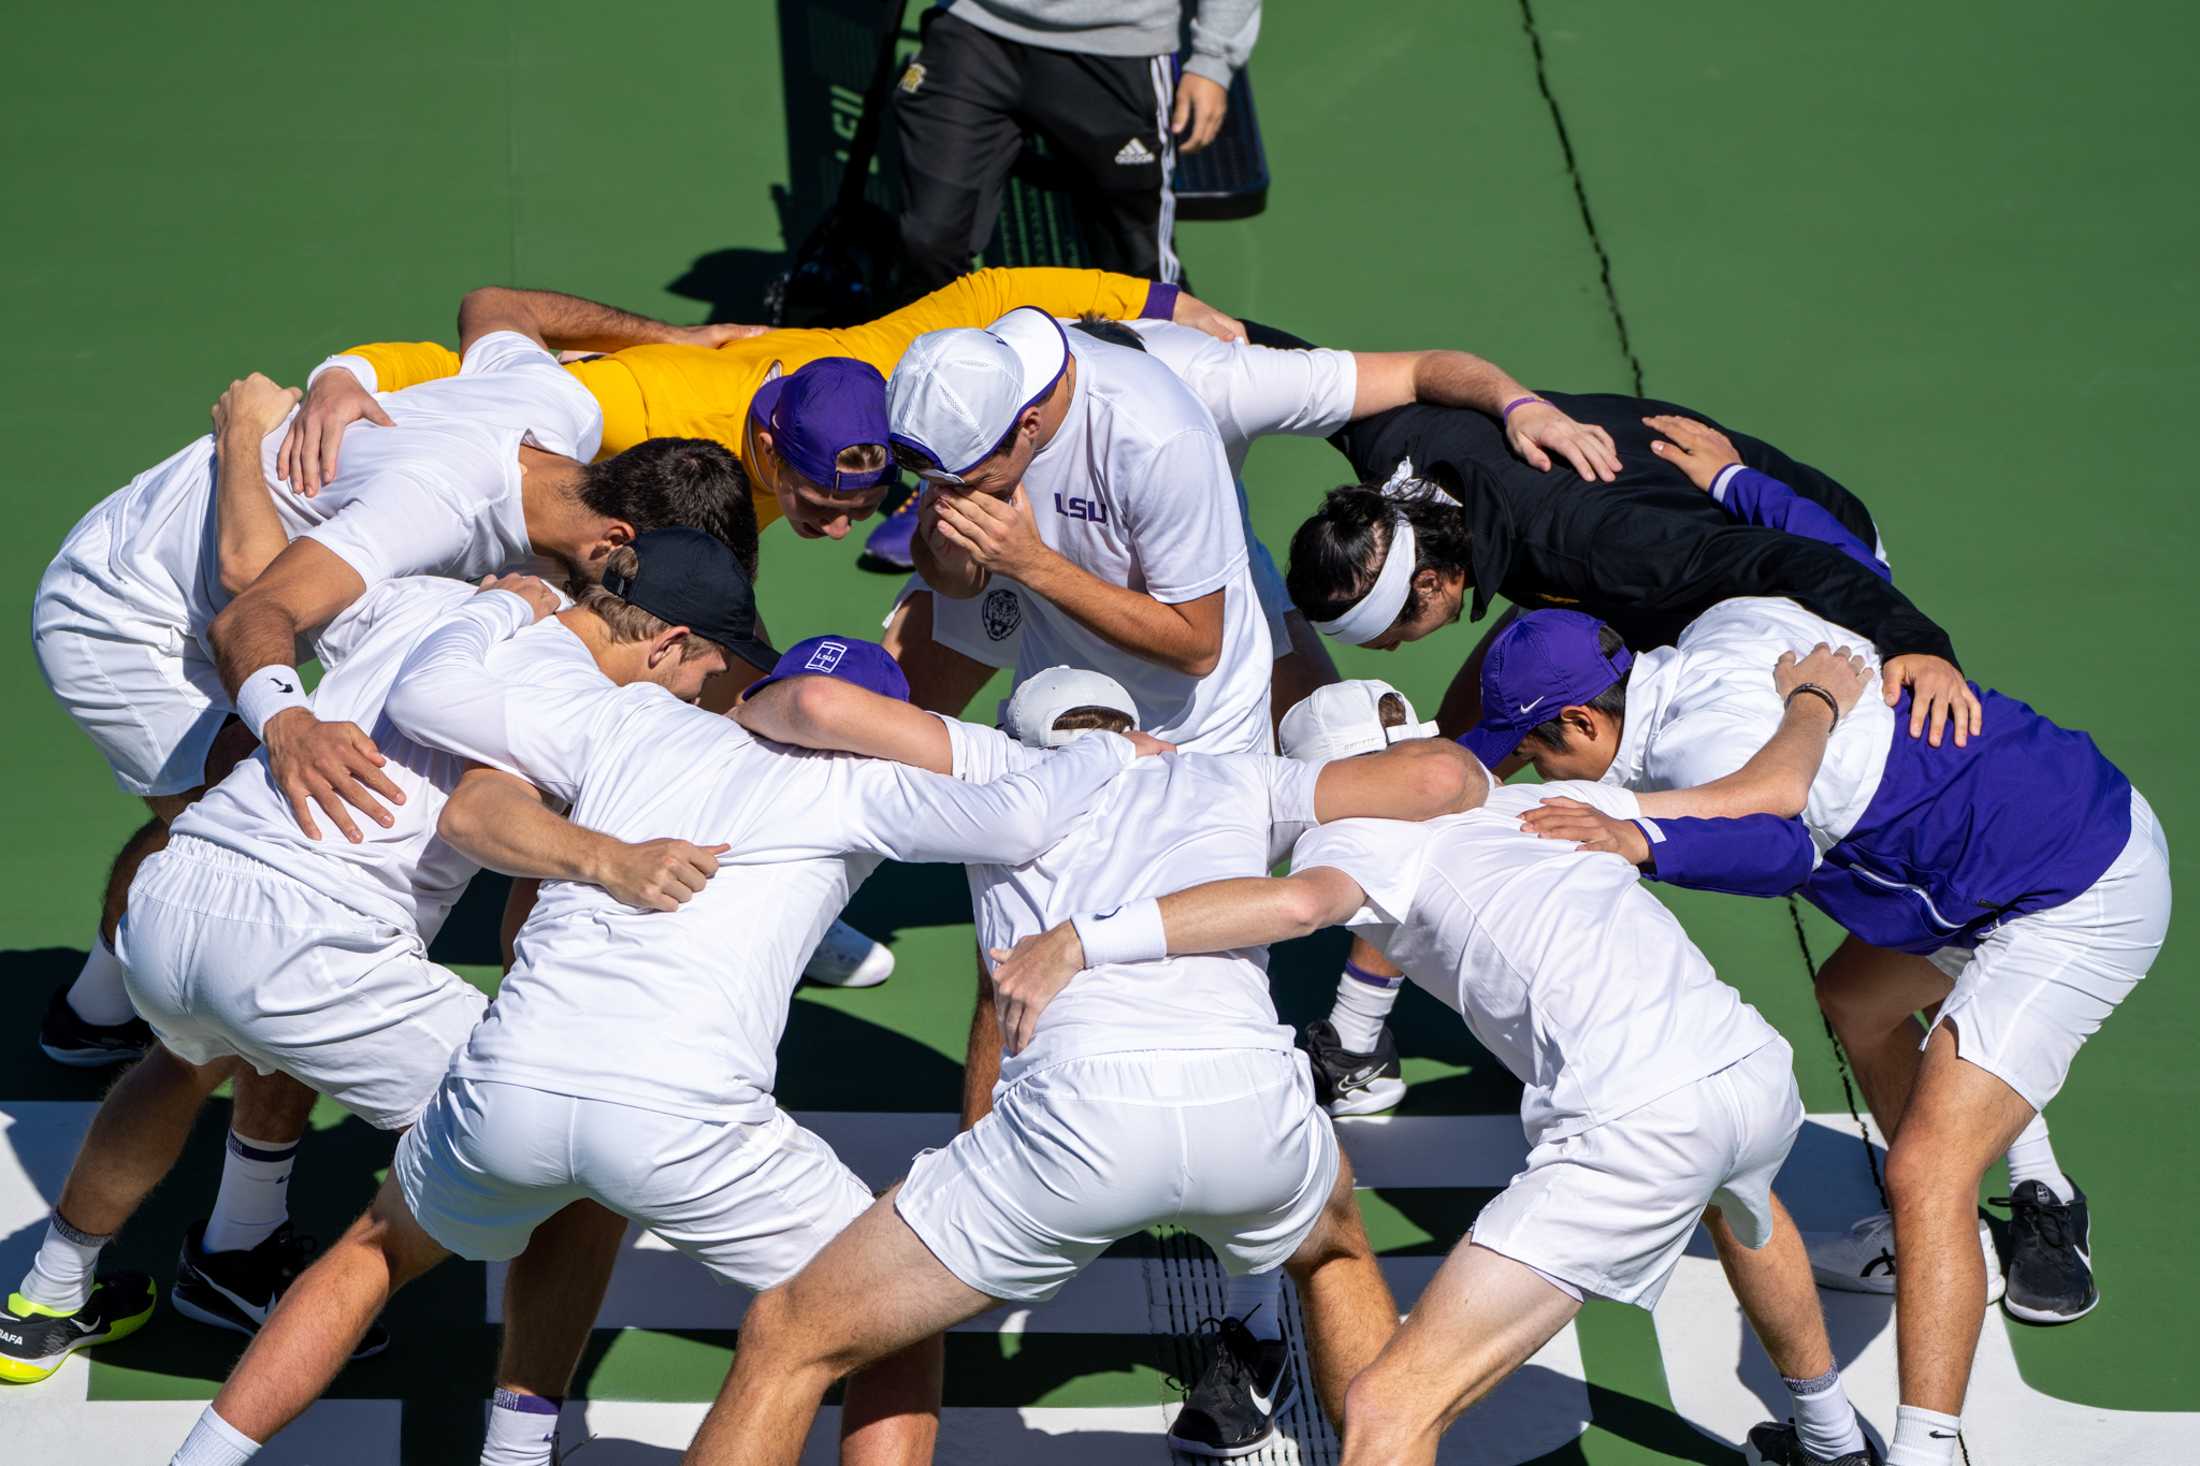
(1543, 662)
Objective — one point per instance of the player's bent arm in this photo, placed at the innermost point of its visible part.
(506, 824)
(1185, 637)
(1760, 499)
(1390, 379)
(248, 532)
(559, 321)
(827, 713)
(915, 817)
(1417, 780)
(443, 694)
(302, 589)
(1775, 781)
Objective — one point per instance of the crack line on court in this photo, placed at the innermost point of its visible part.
(1581, 192)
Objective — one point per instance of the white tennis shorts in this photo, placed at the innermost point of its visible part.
(2030, 995)
(140, 686)
(1226, 1143)
(227, 956)
(490, 1162)
(1610, 1209)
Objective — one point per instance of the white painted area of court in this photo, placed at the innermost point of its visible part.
(1718, 1377)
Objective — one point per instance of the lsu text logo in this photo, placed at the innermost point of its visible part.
(1091, 511)
(826, 656)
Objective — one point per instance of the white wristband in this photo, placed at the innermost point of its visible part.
(1130, 933)
(268, 692)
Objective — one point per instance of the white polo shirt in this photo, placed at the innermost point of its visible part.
(682, 1011)
(1135, 489)
(1160, 825)
(1701, 708)
(438, 494)
(1577, 979)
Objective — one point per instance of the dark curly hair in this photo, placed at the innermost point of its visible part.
(690, 482)
(1336, 555)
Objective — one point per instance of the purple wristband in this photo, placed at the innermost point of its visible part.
(1506, 415)
(1160, 301)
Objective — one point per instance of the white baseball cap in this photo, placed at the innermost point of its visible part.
(956, 393)
(1029, 715)
(1344, 719)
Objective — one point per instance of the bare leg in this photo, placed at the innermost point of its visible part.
(147, 840)
(1481, 1318)
(890, 1415)
(1872, 997)
(982, 1057)
(322, 1316)
(135, 1139)
(270, 1107)
(552, 1294)
(1774, 1286)
(1350, 1313)
(874, 1291)
(1960, 1119)
(941, 679)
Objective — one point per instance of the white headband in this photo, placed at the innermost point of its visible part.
(1372, 616)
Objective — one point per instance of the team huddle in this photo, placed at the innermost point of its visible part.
(528, 569)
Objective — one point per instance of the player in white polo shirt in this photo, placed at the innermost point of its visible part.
(1253, 391)
(1152, 1092)
(1654, 1097)
(138, 635)
(255, 950)
(629, 1058)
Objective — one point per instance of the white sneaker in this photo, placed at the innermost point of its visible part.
(846, 958)
(1861, 1260)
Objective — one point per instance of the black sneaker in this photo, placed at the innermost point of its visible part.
(1242, 1387)
(1354, 1084)
(2050, 1255)
(238, 1290)
(34, 1340)
(1782, 1445)
(68, 1039)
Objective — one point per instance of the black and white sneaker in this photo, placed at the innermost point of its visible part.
(238, 1290)
(2050, 1255)
(68, 1039)
(1243, 1385)
(1771, 1444)
(34, 1340)
(1347, 1083)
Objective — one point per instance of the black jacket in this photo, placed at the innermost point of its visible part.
(1646, 554)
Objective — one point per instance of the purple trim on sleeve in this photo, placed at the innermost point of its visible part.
(1160, 301)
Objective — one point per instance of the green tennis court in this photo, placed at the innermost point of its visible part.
(1946, 253)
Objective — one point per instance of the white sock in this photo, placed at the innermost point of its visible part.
(523, 1430)
(1824, 1418)
(2032, 1158)
(1256, 1300)
(254, 1198)
(213, 1441)
(1923, 1438)
(1364, 1001)
(97, 995)
(61, 1275)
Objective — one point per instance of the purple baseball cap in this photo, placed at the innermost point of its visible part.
(820, 410)
(1545, 661)
(850, 658)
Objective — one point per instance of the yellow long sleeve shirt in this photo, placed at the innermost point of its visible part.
(664, 391)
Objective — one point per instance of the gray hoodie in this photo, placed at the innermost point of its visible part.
(1223, 31)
